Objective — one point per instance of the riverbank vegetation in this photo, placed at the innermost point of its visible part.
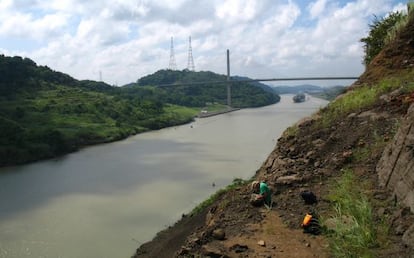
(44, 113)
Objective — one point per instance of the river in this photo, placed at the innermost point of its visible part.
(106, 200)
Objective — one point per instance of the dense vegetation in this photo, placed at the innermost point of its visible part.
(382, 31)
(44, 113)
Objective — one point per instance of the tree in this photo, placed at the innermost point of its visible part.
(379, 30)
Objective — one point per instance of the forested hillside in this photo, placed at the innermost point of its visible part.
(44, 113)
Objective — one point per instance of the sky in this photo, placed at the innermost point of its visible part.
(120, 41)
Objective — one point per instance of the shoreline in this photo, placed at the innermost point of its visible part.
(209, 114)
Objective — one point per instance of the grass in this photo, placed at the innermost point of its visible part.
(365, 151)
(393, 32)
(363, 97)
(236, 183)
(214, 107)
(181, 110)
(291, 131)
(355, 233)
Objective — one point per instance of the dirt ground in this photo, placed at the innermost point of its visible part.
(310, 160)
(243, 226)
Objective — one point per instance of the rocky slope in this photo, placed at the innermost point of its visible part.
(311, 157)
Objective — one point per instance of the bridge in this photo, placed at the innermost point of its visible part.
(229, 81)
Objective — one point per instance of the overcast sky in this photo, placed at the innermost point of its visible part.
(123, 40)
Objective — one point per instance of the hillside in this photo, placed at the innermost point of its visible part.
(356, 155)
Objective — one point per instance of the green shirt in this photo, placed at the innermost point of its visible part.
(265, 190)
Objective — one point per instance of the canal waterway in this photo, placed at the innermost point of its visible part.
(106, 200)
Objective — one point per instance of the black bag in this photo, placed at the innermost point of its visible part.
(308, 197)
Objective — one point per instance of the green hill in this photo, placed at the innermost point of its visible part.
(44, 113)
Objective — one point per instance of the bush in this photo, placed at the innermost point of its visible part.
(379, 34)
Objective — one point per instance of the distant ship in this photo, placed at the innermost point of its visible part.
(300, 97)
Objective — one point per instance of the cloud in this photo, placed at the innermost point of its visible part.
(125, 40)
(236, 10)
(23, 25)
(316, 8)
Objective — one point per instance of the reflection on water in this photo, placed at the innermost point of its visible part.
(104, 201)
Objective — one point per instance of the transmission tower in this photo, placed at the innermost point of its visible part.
(173, 65)
(190, 65)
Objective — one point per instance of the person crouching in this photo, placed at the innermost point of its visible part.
(261, 194)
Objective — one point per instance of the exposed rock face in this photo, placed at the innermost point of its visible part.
(396, 168)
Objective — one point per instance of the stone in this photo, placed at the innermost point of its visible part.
(237, 248)
(319, 143)
(288, 180)
(219, 234)
(261, 243)
(381, 212)
(183, 251)
(408, 237)
(211, 251)
(194, 240)
(399, 229)
(310, 154)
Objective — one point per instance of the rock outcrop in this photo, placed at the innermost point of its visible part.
(396, 168)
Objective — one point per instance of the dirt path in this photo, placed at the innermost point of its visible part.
(272, 238)
(276, 237)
